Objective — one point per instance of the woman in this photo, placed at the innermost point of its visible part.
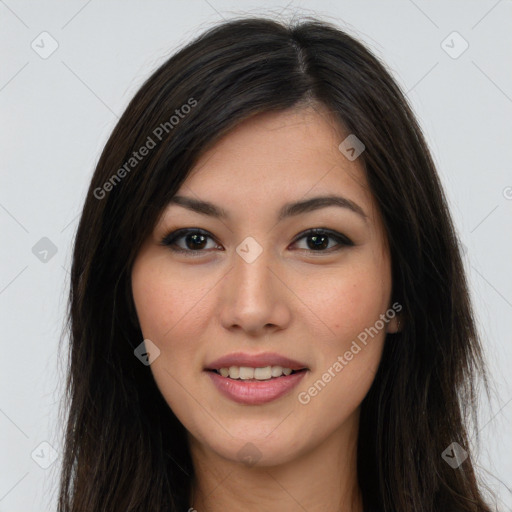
(268, 307)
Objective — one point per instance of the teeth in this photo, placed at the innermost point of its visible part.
(263, 373)
(245, 372)
(276, 371)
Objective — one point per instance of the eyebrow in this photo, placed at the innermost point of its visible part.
(288, 210)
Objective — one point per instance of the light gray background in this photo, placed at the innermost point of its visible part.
(57, 112)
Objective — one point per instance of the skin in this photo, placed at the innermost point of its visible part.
(305, 304)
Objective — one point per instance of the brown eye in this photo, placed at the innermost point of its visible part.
(318, 240)
(193, 240)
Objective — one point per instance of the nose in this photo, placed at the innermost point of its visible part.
(254, 296)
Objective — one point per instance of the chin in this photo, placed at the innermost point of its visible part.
(252, 448)
(260, 453)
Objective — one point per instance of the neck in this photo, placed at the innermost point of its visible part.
(323, 478)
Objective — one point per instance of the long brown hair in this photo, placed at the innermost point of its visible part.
(124, 448)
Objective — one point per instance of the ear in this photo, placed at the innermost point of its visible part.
(395, 324)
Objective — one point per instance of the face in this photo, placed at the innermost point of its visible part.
(257, 283)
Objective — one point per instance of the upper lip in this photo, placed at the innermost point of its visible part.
(255, 361)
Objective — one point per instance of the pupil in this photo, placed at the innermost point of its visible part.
(198, 241)
(319, 241)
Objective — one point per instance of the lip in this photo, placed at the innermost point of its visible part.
(255, 361)
(253, 392)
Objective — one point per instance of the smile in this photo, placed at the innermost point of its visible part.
(255, 386)
(246, 372)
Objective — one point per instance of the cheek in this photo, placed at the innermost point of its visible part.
(350, 303)
(170, 308)
(348, 299)
(348, 359)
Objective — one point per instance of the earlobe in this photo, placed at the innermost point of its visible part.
(395, 325)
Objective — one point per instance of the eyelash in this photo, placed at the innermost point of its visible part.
(170, 239)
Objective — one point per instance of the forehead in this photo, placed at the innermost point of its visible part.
(277, 157)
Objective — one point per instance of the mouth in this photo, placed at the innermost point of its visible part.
(259, 366)
(259, 374)
(255, 379)
(253, 391)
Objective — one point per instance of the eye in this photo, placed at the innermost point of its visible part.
(195, 240)
(318, 240)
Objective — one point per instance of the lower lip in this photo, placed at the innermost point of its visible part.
(253, 392)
